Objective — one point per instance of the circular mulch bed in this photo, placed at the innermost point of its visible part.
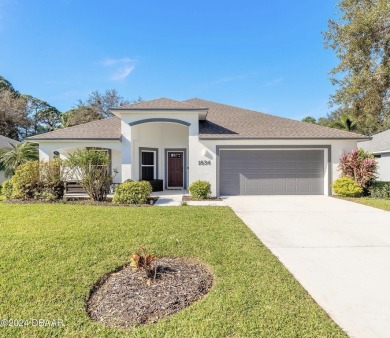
(125, 299)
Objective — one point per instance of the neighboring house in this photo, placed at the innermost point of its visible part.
(379, 145)
(5, 143)
(239, 151)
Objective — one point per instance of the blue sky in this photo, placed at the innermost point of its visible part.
(263, 55)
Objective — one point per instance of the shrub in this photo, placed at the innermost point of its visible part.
(51, 178)
(92, 167)
(346, 187)
(360, 166)
(26, 182)
(200, 189)
(7, 189)
(380, 190)
(132, 193)
(38, 180)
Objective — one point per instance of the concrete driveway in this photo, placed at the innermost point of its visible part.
(338, 250)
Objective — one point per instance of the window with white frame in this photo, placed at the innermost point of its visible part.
(148, 165)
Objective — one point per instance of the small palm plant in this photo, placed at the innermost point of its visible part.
(143, 261)
(11, 158)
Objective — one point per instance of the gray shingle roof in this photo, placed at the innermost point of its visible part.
(379, 143)
(160, 104)
(107, 129)
(225, 122)
(6, 141)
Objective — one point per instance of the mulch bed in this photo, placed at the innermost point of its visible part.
(190, 198)
(82, 201)
(124, 298)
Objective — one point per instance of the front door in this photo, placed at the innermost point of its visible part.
(175, 169)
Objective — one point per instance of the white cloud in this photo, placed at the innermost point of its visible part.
(121, 68)
(274, 82)
(111, 62)
(122, 73)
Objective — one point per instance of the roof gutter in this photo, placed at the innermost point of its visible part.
(72, 139)
(284, 138)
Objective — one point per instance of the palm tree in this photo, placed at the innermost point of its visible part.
(16, 155)
(344, 122)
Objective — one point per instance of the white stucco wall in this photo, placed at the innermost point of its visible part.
(132, 140)
(47, 148)
(160, 136)
(384, 167)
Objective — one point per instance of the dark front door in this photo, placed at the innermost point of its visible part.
(175, 169)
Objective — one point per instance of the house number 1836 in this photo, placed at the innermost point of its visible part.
(204, 162)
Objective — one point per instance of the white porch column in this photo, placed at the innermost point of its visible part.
(126, 150)
(193, 145)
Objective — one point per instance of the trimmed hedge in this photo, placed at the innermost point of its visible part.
(200, 189)
(347, 187)
(132, 193)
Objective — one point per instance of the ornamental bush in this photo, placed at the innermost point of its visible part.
(360, 166)
(379, 190)
(200, 189)
(132, 193)
(7, 189)
(346, 187)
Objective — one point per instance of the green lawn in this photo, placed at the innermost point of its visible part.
(51, 255)
(372, 202)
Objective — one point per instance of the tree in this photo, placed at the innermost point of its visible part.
(41, 116)
(360, 36)
(12, 113)
(16, 155)
(6, 85)
(23, 115)
(309, 119)
(96, 107)
(102, 102)
(79, 115)
(343, 122)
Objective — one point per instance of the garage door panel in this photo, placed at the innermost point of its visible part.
(271, 172)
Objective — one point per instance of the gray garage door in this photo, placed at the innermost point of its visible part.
(271, 172)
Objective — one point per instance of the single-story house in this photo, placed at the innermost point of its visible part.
(239, 151)
(5, 143)
(379, 145)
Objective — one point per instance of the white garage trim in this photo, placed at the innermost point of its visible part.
(327, 159)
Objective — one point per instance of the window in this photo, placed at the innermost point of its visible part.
(377, 156)
(148, 165)
(105, 151)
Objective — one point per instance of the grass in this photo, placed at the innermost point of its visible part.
(51, 255)
(372, 202)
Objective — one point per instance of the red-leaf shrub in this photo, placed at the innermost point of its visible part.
(360, 166)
